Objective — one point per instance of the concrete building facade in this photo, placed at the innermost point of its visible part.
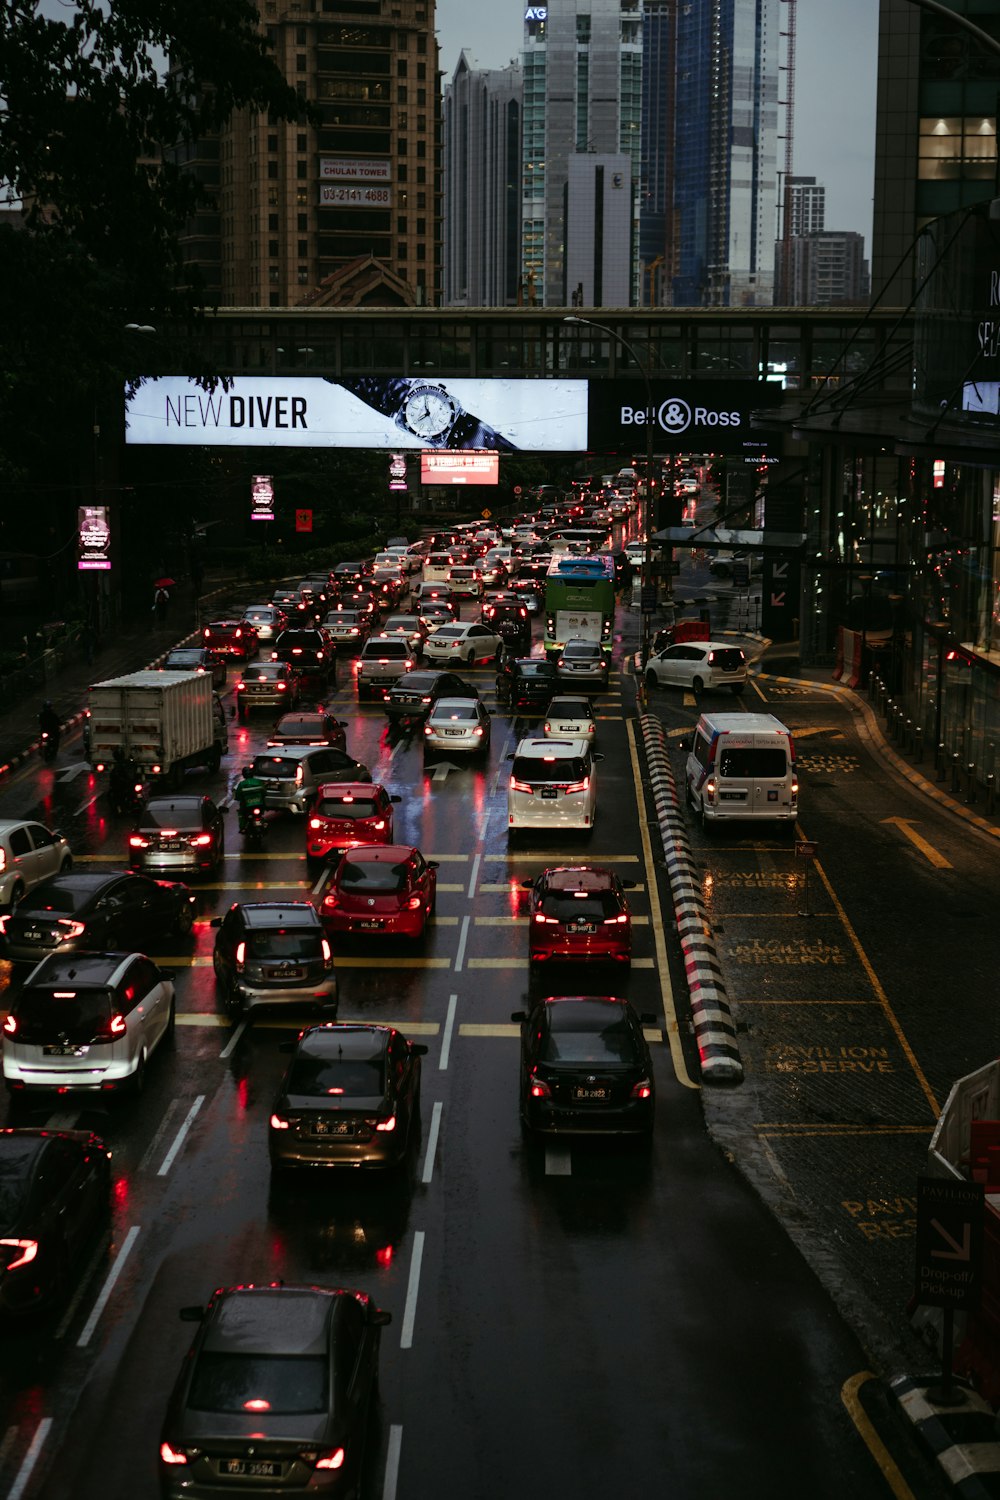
(482, 186)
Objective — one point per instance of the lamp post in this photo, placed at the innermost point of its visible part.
(647, 555)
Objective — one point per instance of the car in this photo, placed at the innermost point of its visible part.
(578, 912)
(350, 1097)
(267, 621)
(698, 665)
(586, 1068)
(347, 628)
(527, 685)
(277, 1386)
(180, 833)
(29, 853)
(570, 718)
(411, 627)
(383, 660)
(465, 640)
(387, 889)
(367, 601)
(553, 784)
(583, 663)
(495, 568)
(272, 953)
(292, 774)
(442, 592)
(414, 694)
(55, 1199)
(309, 727)
(436, 612)
(307, 651)
(457, 725)
(267, 684)
(347, 573)
(196, 659)
(87, 1021)
(345, 814)
(299, 604)
(389, 587)
(530, 591)
(235, 638)
(510, 621)
(87, 910)
(465, 582)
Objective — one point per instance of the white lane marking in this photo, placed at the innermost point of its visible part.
(20, 1484)
(558, 1161)
(104, 1295)
(166, 1124)
(72, 772)
(483, 826)
(432, 1140)
(84, 805)
(392, 1463)
(234, 1039)
(475, 875)
(410, 1310)
(179, 1138)
(462, 940)
(449, 1026)
(79, 1294)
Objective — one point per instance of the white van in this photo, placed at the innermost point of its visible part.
(437, 566)
(742, 766)
(553, 784)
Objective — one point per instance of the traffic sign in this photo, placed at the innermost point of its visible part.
(806, 848)
(517, 489)
(741, 574)
(647, 598)
(486, 514)
(303, 520)
(949, 1242)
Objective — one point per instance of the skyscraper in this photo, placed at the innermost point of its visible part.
(482, 186)
(582, 95)
(806, 205)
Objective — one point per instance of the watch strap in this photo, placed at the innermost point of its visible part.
(469, 432)
(386, 393)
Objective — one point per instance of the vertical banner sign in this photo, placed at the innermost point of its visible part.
(303, 520)
(262, 497)
(397, 471)
(94, 537)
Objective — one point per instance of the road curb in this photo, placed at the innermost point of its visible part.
(963, 1440)
(715, 1030)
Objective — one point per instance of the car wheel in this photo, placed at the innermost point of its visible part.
(652, 680)
(214, 760)
(170, 1034)
(241, 715)
(697, 685)
(185, 918)
(66, 865)
(138, 1082)
(471, 658)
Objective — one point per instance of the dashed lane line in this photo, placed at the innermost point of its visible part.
(505, 889)
(432, 1140)
(522, 963)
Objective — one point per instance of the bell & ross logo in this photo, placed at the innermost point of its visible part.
(675, 416)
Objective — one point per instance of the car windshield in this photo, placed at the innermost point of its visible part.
(169, 816)
(456, 711)
(15, 1168)
(729, 658)
(580, 906)
(284, 942)
(569, 708)
(553, 769)
(55, 898)
(354, 1077)
(49, 1015)
(184, 658)
(275, 767)
(259, 616)
(282, 1385)
(346, 807)
(582, 1039)
(373, 875)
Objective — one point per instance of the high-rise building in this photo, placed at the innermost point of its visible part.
(296, 205)
(826, 269)
(599, 230)
(725, 153)
(482, 186)
(582, 95)
(935, 130)
(657, 241)
(806, 201)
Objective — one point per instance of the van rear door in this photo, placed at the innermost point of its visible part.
(754, 776)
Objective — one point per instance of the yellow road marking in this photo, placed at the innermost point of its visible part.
(522, 963)
(666, 989)
(866, 1431)
(919, 842)
(504, 890)
(560, 859)
(473, 1028)
(350, 961)
(209, 1019)
(523, 921)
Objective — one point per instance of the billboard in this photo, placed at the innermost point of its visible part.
(687, 416)
(94, 538)
(355, 169)
(262, 498)
(338, 195)
(459, 468)
(372, 411)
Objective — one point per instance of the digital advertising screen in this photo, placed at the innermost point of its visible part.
(459, 468)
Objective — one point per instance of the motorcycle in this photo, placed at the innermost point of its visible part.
(50, 744)
(126, 790)
(254, 827)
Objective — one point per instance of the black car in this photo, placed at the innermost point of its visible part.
(91, 912)
(319, 727)
(414, 694)
(585, 1067)
(511, 621)
(528, 685)
(275, 1393)
(307, 652)
(55, 1197)
(273, 953)
(182, 835)
(349, 1098)
(196, 659)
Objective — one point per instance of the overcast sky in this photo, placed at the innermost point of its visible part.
(834, 88)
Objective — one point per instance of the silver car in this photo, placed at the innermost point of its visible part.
(266, 619)
(29, 853)
(570, 718)
(460, 725)
(583, 662)
(292, 773)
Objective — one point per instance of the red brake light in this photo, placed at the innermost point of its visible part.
(72, 929)
(331, 1460)
(389, 1124)
(9, 1026)
(315, 822)
(170, 1455)
(327, 952)
(241, 954)
(643, 1089)
(28, 1250)
(277, 1123)
(200, 840)
(136, 841)
(540, 1089)
(520, 786)
(118, 1025)
(256, 1403)
(578, 786)
(414, 903)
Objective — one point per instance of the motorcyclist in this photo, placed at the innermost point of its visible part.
(248, 794)
(124, 774)
(49, 727)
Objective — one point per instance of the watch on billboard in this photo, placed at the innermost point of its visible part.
(262, 498)
(94, 537)
(459, 468)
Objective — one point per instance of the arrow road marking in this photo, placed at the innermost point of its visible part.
(441, 771)
(928, 850)
(958, 1251)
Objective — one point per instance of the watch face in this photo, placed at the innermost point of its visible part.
(429, 411)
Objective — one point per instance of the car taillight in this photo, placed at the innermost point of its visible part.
(425, 700)
(274, 656)
(170, 1455)
(539, 1089)
(386, 1125)
(70, 928)
(541, 917)
(136, 841)
(710, 788)
(520, 786)
(335, 1459)
(3, 853)
(281, 686)
(118, 1025)
(200, 840)
(643, 1089)
(9, 1026)
(327, 953)
(315, 823)
(278, 1122)
(578, 786)
(795, 789)
(428, 729)
(241, 954)
(330, 900)
(22, 1251)
(240, 685)
(622, 918)
(548, 727)
(414, 903)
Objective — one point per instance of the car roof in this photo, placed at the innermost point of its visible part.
(342, 789)
(79, 969)
(573, 706)
(227, 624)
(286, 752)
(537, 749)
(380, 854)
(266, 913)
(271, 1320)
(345, 1039)
(74, 880)
(578, 878)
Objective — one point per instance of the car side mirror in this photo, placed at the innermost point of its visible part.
(215, 922)
(248, 770)
(649, 1018)
(598, 755)
(379, 1317)
(287, 1046)
(418, 1049)
(395, 798)
(519, 1015)
(191, 1314)
(526, 885)
(628, 885)
(433, 864)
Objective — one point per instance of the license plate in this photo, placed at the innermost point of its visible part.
(171, 844)
(734, 796)
(598, 1095)
(584, 927)
(369, 923)
(33, 935)
(550, 791)
(333, 1127)
(63, 1051)
(455, 731)
(254, 1468)
(288, 971)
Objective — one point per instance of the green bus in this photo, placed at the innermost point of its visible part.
(579, 601)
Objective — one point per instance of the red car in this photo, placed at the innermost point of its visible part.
(385, 889)
(231, 638)
(346, 815)
(579, 912)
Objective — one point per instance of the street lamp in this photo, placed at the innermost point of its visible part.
(647, 555)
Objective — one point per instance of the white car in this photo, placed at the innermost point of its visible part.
(553, 784)
(697, 665)
(465, 582)
(465, 640)
(458, 724)
(570, 718)
(29, 853)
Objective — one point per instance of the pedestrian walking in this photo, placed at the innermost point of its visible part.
(161, 602)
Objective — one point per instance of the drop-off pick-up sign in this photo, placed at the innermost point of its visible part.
(949, 1242)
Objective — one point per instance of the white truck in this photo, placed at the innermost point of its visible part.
(164, 721)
